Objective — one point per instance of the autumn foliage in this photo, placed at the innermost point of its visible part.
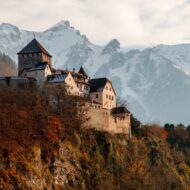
(43, 146)
(54, 128)
(27, 116)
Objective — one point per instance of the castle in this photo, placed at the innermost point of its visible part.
(35, 63)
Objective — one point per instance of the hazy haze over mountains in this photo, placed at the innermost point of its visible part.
(154, 81)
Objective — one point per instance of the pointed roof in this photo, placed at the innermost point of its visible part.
(34, 47)
(82, 71)
(98, 84)
(57, 78)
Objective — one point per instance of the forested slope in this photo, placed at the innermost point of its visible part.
(42, 149)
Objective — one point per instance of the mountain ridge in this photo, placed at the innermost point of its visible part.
(155, 81)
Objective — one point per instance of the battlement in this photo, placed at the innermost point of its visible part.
(107, 120)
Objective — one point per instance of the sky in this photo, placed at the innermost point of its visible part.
(132, 22)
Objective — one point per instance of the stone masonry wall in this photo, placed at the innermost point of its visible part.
(103, 120)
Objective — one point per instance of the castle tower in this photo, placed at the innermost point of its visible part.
(32, 54)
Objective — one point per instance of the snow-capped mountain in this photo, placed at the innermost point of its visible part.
(155, 81)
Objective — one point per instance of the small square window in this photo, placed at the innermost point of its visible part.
(96, 95)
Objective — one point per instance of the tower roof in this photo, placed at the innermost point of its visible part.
(82, 71)
(34, 47)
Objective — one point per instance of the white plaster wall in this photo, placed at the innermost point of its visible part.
(82, 88)
(109, 97)
(71, 85)
(39, 75)
(95, 99)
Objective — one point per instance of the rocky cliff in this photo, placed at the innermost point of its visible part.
(41, 149)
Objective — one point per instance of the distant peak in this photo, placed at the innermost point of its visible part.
(114, 41)
(60, 25)
(111, 47)
(7, 25)
(63, 22)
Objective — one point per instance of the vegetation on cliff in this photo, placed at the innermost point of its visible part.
(7, 65)
(45, 149)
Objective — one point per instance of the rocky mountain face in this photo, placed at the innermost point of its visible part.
(94, 160)
(155, 81)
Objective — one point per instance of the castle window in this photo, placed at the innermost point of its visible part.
(106, 88)
(107, 96)
(96, 95)
(30, 55)
(110, 97)
(110, 89)
(25, 55)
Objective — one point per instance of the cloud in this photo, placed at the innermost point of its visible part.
(133, 22)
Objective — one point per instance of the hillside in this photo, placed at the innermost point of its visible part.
(41, 149)
(155, 81)
(7, 65)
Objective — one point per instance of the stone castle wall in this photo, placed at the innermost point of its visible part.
(99, 118)
(15, 82)
(104, 120)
